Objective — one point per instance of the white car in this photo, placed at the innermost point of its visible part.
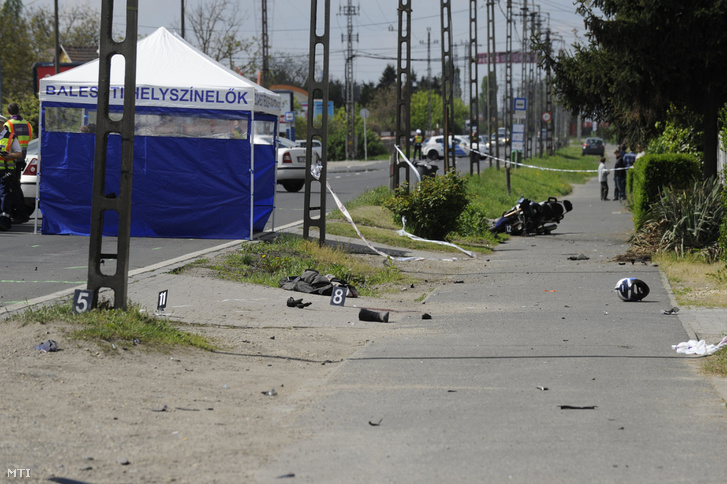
(317, 147)
(433, 148)
(29, 176)
(290, 166)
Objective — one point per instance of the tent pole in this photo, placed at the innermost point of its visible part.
(252, 164)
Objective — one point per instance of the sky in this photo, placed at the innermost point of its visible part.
(374, 27)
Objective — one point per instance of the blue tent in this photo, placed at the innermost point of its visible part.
(196, 173)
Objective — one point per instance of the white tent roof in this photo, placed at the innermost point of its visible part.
(169, 73)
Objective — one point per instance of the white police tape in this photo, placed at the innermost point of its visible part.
(416, 172)
(546, 169)
(440, 242)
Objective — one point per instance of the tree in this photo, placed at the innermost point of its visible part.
(420, 110)
(15, 64)
(388, 77)
(215, 25)
(289, 69)
(368, 93)
(644, 58)
(383, 110)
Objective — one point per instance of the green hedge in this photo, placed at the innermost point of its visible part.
(652, 172)
(723, 227)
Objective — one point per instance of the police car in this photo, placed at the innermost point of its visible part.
(433, 148)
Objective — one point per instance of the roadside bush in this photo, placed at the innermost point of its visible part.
(433, 207)
(687, 220)
(652, 173)
(473, 221)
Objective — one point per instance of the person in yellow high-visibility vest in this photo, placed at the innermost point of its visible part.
(22, 131)
(10, 152)
(418, 139)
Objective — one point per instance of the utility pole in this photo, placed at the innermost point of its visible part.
(349, 11)
(548, 100)
(532, 122)
(523, 74)
(265, 78)
(101, 201)
(403, 92)
(57, 42)
(182, 17)
(315, 215)
(508, 75)
(492, 84)
(474, 100)
(447, 85)
(429, 80)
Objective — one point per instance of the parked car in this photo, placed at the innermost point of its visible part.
(503, 137)
(290, 166)
(317, 146)
(29, 176)
(593, 146)
(433, 148)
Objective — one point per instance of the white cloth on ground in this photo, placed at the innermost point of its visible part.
(694, 347)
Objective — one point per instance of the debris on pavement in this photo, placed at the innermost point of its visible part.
(573, 407)
(375, 316)
(579, 257)
(47, 346)
(426, 316)
(270, 393)
(694, 347)
(375, 424)
(673, 310)
(544, 389)
(297, 303)
(312, 282)
(286, 476)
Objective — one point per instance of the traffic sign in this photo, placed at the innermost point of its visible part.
(519, 107)
(546, 116)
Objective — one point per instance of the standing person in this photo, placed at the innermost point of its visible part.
(619, 177)
(603, 178)
(630, 158)
(418, 139)
(639, 151)
(10, 152)
(22, 131)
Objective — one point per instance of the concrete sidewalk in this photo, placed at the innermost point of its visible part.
(531, 370)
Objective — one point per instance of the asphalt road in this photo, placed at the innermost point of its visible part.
(34, 265)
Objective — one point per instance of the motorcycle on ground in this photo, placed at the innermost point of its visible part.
(532, 218)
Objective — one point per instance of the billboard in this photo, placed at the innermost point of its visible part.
(46, 69)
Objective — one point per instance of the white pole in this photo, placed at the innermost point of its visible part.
(366, 145)
(252, 162)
